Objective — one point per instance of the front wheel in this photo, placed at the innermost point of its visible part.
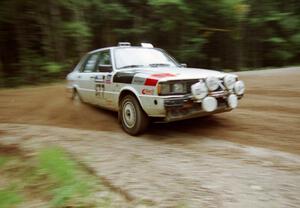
(133, 119)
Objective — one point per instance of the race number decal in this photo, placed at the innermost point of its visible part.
(99, 89)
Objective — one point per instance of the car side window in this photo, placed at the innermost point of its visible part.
(90, 63)
(105, 58)
(104, 61)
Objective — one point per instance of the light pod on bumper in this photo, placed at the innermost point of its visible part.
(209, 104)
(239, 87)
(232, 101)
(199, 90)
(212, 83)
(229, 81)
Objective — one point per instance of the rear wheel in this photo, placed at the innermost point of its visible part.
(133, 119)
(75, 97)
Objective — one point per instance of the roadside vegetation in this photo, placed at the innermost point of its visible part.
(49, 179)
(40, 43)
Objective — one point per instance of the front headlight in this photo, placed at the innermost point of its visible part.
(172, 88)
(164, 89)
(229, 81)
(239, 87)
(177, 88)
(212, 83)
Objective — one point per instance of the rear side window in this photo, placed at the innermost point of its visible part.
(104, 58)
(90, 63)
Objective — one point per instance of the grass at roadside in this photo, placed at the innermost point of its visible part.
(3, 160)
(52, 178)
(70, 182)
(9, 197)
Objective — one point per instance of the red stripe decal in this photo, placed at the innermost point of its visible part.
(151, 82)
(162, 75)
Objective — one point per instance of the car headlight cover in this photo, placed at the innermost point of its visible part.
(229, 81)
(212, 83)
(164, 88)
(178, 88)
(172, 88)
(209, 104)
(232, 101)
(239, 87)
(199, 90)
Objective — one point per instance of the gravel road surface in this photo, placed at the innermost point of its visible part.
(249, 157)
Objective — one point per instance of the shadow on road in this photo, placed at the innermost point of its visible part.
(161, 131)
(197, 126)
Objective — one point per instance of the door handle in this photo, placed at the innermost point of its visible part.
(79, 76)
(92, 77)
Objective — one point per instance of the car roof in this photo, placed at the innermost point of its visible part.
(113, 47)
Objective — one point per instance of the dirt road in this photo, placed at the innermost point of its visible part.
(245, 158)
(268, 116)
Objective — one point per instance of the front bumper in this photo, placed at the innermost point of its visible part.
(185, 107)
(180, 107)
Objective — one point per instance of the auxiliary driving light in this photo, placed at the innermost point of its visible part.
(239, 87)
(199, 90)
(209, 104)
(212, 83)
(229, 81)
(232, 101)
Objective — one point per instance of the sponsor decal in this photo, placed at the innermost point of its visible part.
(99, 79)
(147, 91)
(98, 89)
(108, 79)
(129, 78)
(163, 75)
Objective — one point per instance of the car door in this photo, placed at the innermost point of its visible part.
(86, 78)
(103, 83)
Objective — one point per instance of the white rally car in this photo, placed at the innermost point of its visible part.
(145, 82)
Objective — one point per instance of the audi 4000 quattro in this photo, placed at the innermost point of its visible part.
(145, 82)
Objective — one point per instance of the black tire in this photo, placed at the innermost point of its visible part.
(76, 99)
(133, 119)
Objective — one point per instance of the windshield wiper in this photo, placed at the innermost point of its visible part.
(131, 66)
(159, 64)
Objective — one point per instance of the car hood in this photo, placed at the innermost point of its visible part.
(167, 74)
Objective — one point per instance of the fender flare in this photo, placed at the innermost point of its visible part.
(132, 90)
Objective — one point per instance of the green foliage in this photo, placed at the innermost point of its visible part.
(295, 39)
(76, 30)
(276, 40)
(40, 42)
(165, 2)
(9, 198)
(55, 164)
(65, 174)
(3, 160)
(51, 176)
(52, 67)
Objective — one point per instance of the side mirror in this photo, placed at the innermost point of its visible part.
(104, 68)
(183, 65)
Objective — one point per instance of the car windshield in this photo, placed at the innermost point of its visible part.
(142, 57)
